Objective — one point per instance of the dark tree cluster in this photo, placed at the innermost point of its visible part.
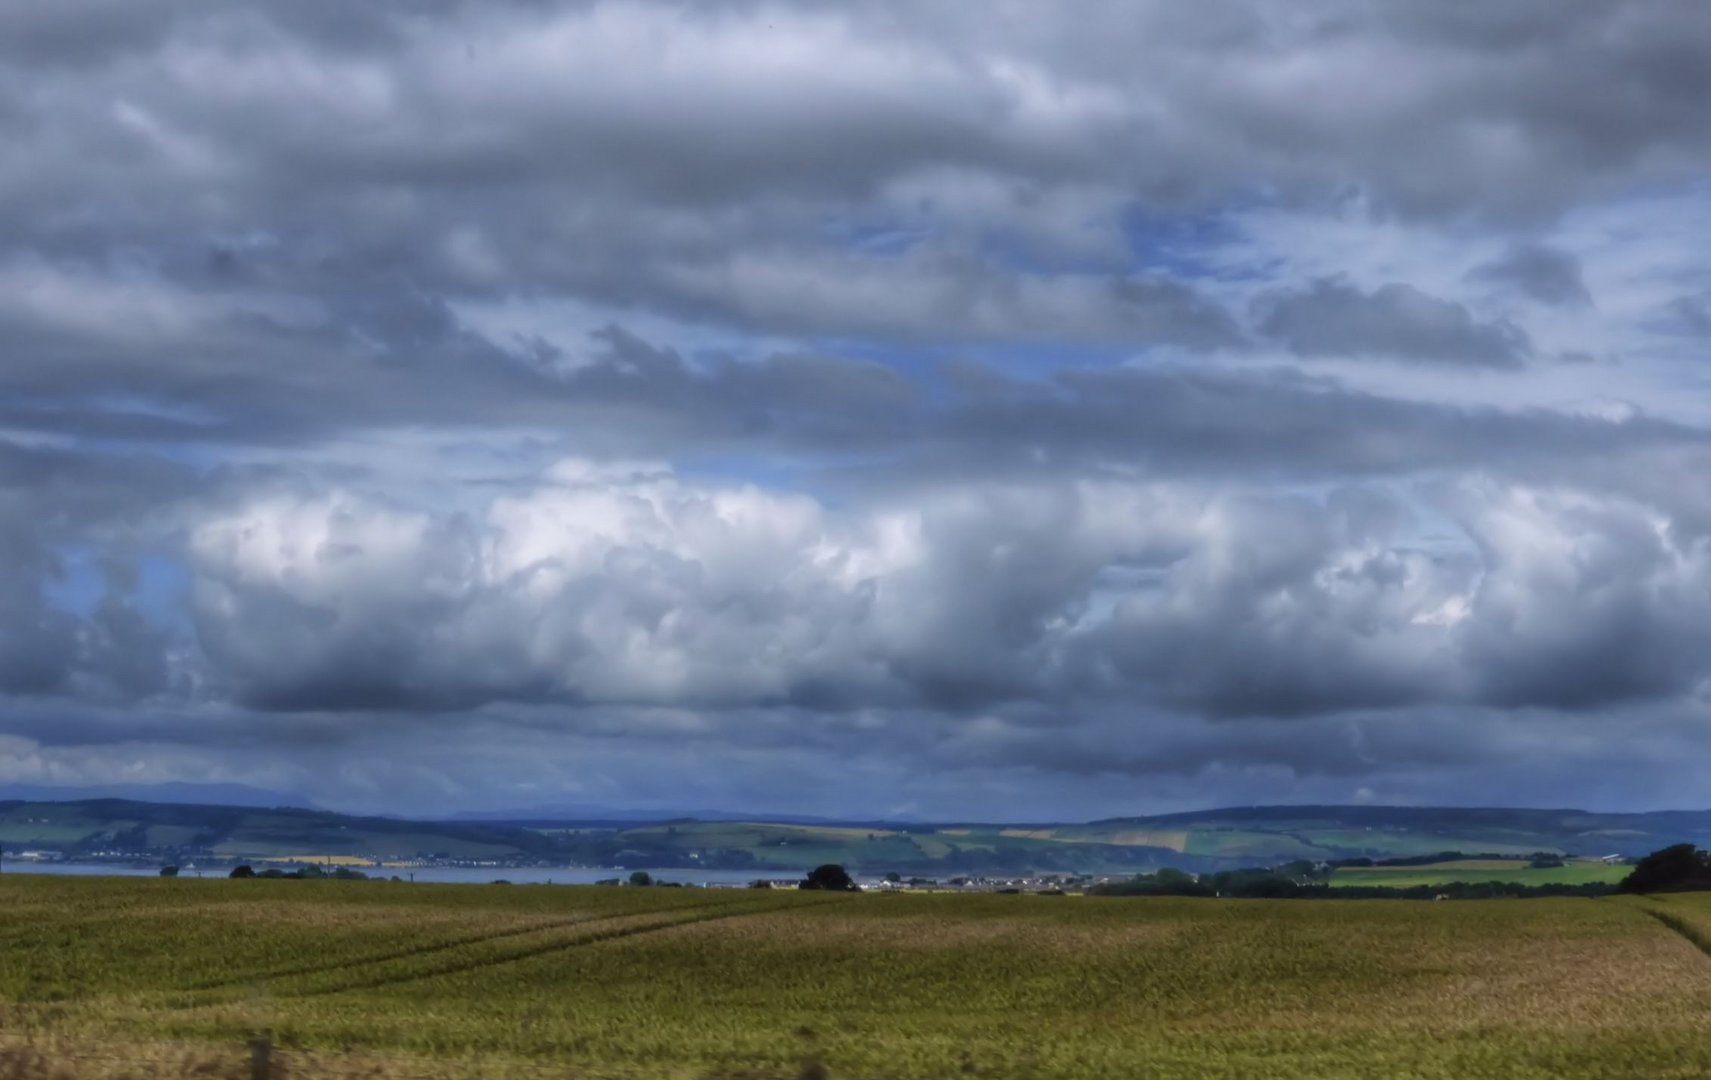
(341, 873)
(1678, 868)
(830, 877)
(1300, 881)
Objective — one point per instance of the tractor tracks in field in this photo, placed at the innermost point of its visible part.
(1692, 934)
(700, 914)
(208, 991)
(421, 949)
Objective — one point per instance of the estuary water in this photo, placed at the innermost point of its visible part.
(460, 875)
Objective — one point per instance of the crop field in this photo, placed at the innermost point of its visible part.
(1481, 872)
(110, 977)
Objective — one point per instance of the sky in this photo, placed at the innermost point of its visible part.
(1010, 411)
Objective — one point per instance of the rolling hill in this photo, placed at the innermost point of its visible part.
(91, 827)
(1209, 840)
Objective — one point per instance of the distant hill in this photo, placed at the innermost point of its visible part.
(567, 813)
(1390, 831)
(187, 794)
(124, 826)
(1202, 840)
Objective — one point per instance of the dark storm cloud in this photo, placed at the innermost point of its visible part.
(479, 148)
(394, 361)
(1539, 272)
(1172, 312)
(151, 358)
(1331, 318)
(400, 361)
(974, 421)
(261, 213)
(1692, 314)
(37, 643)
(453, 93)
(1258, 424)
(51, 503)
(147, 372)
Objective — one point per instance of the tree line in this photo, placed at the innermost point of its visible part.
(1678, 868)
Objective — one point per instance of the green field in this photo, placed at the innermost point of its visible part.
(390, 980)
(1481, 872)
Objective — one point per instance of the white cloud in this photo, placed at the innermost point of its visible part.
(629, 587)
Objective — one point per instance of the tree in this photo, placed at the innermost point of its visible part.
(243, 870)
(1670, 869)
(169, 871)
(830, 877)
(641, 877)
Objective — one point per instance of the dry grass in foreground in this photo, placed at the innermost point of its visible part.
(391, 981)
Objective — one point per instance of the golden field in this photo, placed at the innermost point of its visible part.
(382, 979)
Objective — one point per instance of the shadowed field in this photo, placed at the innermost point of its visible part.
(382, 979)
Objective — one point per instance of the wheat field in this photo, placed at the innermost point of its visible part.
(114, 977)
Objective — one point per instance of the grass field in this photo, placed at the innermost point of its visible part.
(388, 980)
(1481, 872)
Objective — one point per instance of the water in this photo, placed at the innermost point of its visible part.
(578, 875)
(466, 875)
(21, 866)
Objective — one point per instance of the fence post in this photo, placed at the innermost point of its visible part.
(261, 1056)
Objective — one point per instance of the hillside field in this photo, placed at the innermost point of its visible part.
(109, 977)
(1211, 840)
(1481, 872)
(243, 832)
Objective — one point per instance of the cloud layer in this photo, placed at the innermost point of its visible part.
(494, 404)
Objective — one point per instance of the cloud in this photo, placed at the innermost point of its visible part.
(1587, 600)
(1330, 318)
(1692, 314)
(1538, 272)
(105, 648)
(610, 95)
(642, 589)
(1006, 406)
(637, 591)
(729, 164)
(944, 296)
